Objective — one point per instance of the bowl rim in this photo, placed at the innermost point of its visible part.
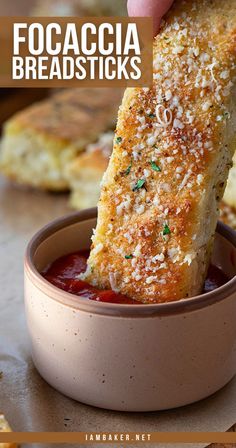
(113, 309)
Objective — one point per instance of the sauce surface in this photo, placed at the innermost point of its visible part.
(64, 272)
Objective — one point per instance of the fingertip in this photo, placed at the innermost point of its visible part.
(149, 8)
(129, 7)
(133, 8)
(143, 8)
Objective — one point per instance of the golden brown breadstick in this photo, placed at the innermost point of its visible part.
(172, 150)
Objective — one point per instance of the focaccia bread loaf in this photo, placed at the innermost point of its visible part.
(228, 215)
(41, 140)
(172, 151)
(85, 173)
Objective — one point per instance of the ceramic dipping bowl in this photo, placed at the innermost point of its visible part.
(128, 357)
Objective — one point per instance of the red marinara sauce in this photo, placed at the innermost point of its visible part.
(64, 272)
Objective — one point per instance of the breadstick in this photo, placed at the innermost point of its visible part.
(172, 151)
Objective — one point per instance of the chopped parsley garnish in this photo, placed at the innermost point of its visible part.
(139, 184)
(154, 166)
(166, 230)
(128, 257)
(127, 171)
(151, 115)
(118, 140)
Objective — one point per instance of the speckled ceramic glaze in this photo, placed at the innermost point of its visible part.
(128, 357)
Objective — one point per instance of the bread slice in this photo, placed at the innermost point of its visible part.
(41, 140)
(85, 173)
(230, 191)
(172, 151)
(5, 427)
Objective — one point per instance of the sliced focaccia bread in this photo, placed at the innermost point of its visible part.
(172, 151)
(85, 173)
(41, 140)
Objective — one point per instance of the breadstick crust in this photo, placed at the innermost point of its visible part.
(72, 115)
(172, 151)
